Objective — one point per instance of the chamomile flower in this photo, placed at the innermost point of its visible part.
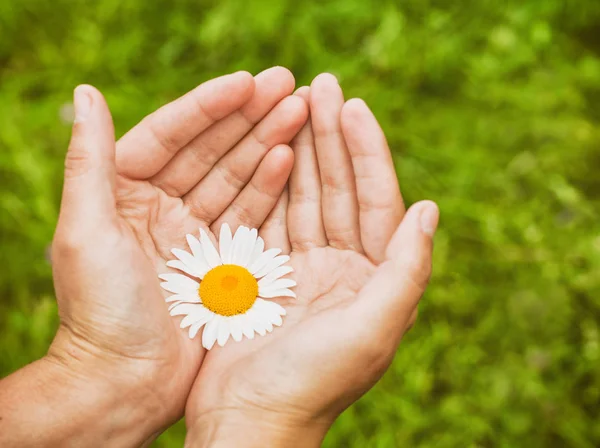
(229, 300)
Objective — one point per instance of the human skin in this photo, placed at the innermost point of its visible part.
(119, 370)
(361, 265)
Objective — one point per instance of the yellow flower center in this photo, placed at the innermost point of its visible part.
(228, 290)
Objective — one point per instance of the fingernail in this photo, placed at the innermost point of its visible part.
(429, 219)
(82, 102)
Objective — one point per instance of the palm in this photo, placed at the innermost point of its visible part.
(153, 223)
(328, 279)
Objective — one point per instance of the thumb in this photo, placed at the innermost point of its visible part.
(89, 185)
(389, 299)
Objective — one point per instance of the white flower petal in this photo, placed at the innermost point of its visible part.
(179, 284)
(277, 320)
(225, 241)
(185, 309)
(196, 265)
(176, 278)
(235, 325)
(177, 264)
(195, 246)
(271, 265)
(210, 253)
(261, 318)
(173, 305)
(263, 259)
(270, 307)
(193, 313)
(188, 320)
(248, 247)
(237, 244)
(259, 246)
(268, 325)
(248, 329)
(209, 335)
(224, 332)
(200, 314)
(186, 297)
(278, 293)
(259, 327)
(282, 283)
(207, 317)
(171, 288)
(194, 329)
(253, 319)
(274, 275)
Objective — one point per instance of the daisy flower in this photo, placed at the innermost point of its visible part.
(229, 300)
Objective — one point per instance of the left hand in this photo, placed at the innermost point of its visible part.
(218, 153)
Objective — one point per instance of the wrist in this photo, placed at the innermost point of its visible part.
(99, 411)
(113, 397)
(47, 404)
(233, 428)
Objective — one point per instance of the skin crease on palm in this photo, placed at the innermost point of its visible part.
(342, 331)
(219, 154)
(115, 311)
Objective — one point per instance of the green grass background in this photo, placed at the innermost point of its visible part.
(492, 110)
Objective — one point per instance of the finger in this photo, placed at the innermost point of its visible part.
(209, 198)
(338, 190)
(305, 221)
(388, 301)
(257, 199)
(196, 159)
(379, 200)
(146, 148)
(89, 188)
(274, 230)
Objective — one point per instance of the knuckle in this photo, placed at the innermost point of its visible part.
(343, 238)
(259, 140)
(329, 181)
(374, 202)
(264, 190)
(66, 245)
(242, 214)
(334, 186)
(203, 154)
(199, 210)
(203, 110)
(77, 162)
(303, 244)
(304, 195)
(166, 140)
(232, 176)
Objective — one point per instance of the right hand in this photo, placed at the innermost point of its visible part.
(361, 265)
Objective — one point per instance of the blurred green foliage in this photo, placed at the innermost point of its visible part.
(491, 109)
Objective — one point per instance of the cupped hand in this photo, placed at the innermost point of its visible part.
(219, 153)
(361, 265)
